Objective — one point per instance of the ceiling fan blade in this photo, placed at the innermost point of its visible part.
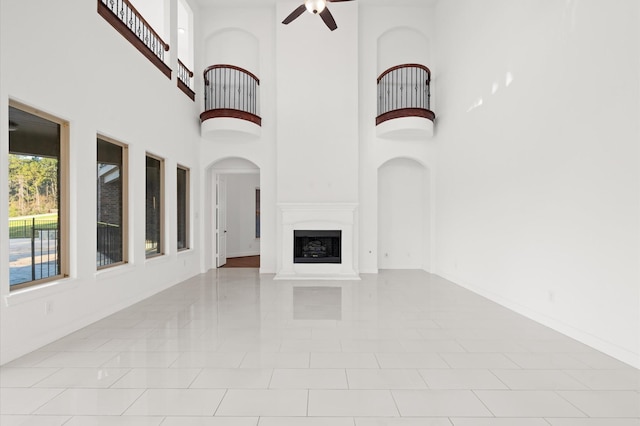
(299, 11)
(327, 17)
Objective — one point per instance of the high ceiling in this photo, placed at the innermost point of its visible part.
(269, 2)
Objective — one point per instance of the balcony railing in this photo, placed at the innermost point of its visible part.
(129, 22)
(33, 249)
(109, 244)
(185, 80)
(404, 91)
(231, 91)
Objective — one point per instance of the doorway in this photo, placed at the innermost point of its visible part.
(235, 214)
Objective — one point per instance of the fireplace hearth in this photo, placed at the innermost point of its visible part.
(317, 246)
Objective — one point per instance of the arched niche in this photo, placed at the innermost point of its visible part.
(402, 45)
(404, 215)
(233, 46)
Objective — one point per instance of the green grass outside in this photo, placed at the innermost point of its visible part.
(21, 227)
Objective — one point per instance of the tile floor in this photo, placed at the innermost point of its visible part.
(401, 348)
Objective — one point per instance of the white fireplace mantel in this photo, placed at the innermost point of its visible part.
(318, 216)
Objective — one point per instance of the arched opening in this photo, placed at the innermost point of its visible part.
(404, 215)
(233, 221)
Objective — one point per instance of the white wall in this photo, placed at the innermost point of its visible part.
(97, 81)
(317, 106)
(258, 24)
(538, 163)
(241, 223)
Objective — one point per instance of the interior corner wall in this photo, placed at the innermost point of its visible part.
(538, 192)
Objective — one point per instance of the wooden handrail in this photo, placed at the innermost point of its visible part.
(148, 49)
(144, 21)
(397, 67)
(180, 63)
(233, 67)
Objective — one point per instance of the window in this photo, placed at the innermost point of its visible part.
(37, 197)
(257, 212)
(154, 210)
(183, 208)
(111, 220)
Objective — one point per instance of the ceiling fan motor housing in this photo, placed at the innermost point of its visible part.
(315, 6)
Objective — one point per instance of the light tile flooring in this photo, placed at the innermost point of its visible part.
(401, 348)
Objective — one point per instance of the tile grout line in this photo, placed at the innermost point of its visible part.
(571, 403)
(473, 391)
(134, 401)
(220, 403)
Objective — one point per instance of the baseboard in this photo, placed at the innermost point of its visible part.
(615, 351)
(243, 254)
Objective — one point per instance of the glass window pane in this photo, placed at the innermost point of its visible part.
(153, 231)
(110, 208)
(183, 209)
(34, 198)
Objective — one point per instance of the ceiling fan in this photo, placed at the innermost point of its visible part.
(315, 7)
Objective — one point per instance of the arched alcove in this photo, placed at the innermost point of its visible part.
(402, 45)
(233, 46)
(404, 215)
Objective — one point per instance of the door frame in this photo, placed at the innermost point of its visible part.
(213, 172)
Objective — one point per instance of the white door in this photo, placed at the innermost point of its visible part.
(221, 219)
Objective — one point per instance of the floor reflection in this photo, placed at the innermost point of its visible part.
(317, 303)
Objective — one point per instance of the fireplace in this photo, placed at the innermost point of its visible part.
(319, 246)
(331, 226)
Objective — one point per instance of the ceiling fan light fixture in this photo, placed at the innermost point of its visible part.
(315, 6)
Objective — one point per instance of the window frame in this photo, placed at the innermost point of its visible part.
(187, 213)
(63, 200)
(124, 176)
(161, 203)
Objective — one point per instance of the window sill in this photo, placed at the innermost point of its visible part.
(157, 258)
(18, 297)
(106, 273)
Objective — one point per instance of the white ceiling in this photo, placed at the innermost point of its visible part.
(270, 2)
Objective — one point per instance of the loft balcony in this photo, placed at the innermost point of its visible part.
(231, 100)
(404, 110)
(185, 80)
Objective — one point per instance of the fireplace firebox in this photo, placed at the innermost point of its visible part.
(319, 246)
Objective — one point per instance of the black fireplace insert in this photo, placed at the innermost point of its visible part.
(319, 246)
